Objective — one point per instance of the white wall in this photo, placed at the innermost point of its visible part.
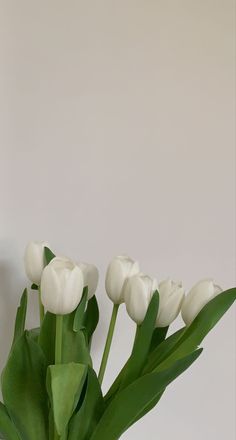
(118, 135)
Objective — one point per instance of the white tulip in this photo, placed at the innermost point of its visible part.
(34, 260)
(119, 270)
(91, 275)
(62, 286)
(198, 297)
(171, 297)
(138, 293)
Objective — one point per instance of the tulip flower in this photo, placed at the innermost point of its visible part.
(34, 260)
(171, 296)
(119, 270)
(61, 286)
(198, 297)
(91, 276)
(138, 294)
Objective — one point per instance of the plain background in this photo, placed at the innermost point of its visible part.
(118, 136)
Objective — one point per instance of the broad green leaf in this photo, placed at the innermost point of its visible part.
(131, 402)
(48, 255)
(74, 345)
(138, 346)
(7, 429)
(84, 421)
(154, 358)
(47, 337)
(79, 314)
(51, 433)
(24, 391)
(34, 334)
(64, 385)
(149, 407)
(162, 350)
(91, 318)
(20, 317)
(158, 336)
(142, 343)
(51, 428)
(200, 327)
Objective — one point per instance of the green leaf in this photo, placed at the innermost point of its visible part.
(24, 391)
(74, 344)
(47, 337)
(20, 318)
(200, 327)
(7, 429)
(84, 421)
(115, 386)
(48, 255)
(64, 385)
(149, 407)
(34, 334)
(162, 350)
(75, 347)
(79, 314)
(158, 336)
(131, 402)
(142, 343)
(91, 318)
(154, 358)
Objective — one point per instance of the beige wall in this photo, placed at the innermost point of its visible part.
(118, 135)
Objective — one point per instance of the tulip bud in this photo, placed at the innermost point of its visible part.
(198, 297)
(34, 260)
(138, 293)
(171, 296)
(91, 276)
(62, 286)
(119, 270)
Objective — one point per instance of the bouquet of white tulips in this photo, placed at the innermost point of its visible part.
(49, 387)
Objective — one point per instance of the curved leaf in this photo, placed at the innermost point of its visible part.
(91, 318)
(7, 429)
(79, 314)
(24, 391)
(132, 402)
(162, 350)
(64, 384)
(74, 348)
(20, 317)
(34, 334)
(149, 407)
(48, 255)
(47, 337)
(158, 337)
(142, 343)
(84, 421)
(200, 327)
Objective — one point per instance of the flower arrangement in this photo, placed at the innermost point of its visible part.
(50, 389)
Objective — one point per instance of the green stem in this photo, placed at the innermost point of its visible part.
(58, 353)
(41, 308)
(108, 343)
